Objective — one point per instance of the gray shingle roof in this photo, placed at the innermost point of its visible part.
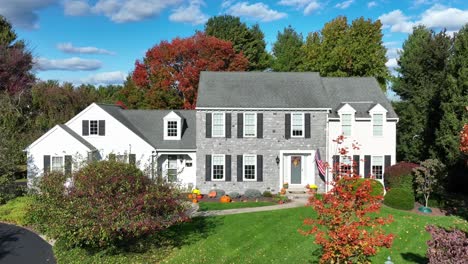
(362, 93)
(78, 137)
(261, 90)
(148, 124)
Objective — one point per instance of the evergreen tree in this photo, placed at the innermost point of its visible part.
(288, 51)
(249, 41)
(340, 49)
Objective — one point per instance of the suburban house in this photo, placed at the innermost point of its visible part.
(250, 130)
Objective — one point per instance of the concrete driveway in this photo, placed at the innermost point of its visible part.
(19, 245)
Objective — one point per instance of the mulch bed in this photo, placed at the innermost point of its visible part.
(242, 199)
(435, 211)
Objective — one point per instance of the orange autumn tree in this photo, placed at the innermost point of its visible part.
(176, 66)
(345, 228)
(464, 140)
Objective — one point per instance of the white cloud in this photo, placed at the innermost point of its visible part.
(344, 4)
(397, 22)
(76, 7)
(391, 63)
(371, 4)
(121, 11)
(114, 77)
(189, 14)
(69, 48)
(257, 11)
(70, 64)
(23, 13)
(436, 17)
(307, 5)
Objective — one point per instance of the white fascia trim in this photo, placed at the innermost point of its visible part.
(263, 108)
(176, 150)
(363, 119)
(393, 119)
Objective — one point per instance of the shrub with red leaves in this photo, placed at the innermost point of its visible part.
(447, 246)
(464, 140)
(109, 204)
(345, 229)
(399, 174)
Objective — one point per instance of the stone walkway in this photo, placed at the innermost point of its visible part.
(298, 202)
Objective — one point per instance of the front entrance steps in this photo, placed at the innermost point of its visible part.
(297, 194)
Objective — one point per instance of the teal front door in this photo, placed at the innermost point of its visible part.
(296, 169)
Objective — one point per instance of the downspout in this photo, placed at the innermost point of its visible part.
(327, 137)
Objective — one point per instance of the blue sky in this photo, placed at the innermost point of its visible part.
(98, 41)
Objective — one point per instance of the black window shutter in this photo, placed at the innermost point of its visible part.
(336, 164)
(208, 125)
(85, 127)
(112, 157)
(356, 163)
(208, 168)
(132, 159)
(46, 163)
(388, 161)
(228, 168)
(240, 125)
(228, 125)
(259, 125)
(287, 126)
(307, 125)
(68, 165)
(240, 176)
(367, 166)
(102, 127)
(259, 168)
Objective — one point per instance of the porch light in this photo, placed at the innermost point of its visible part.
(277, 160)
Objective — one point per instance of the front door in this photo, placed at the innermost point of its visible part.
(172, 168)
(296, 169)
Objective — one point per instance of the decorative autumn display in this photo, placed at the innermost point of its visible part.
(283, 191)
(194, 201)
(190, 196)
(285, 185)
(196, 191)
(212, 194)
(200, 196)
(225, 199)
(346, 227)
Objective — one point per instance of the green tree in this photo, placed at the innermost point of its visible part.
(249, 41)
(288, 51)
(453, 101)
(343, 50)
(15, 61)
(422, 76)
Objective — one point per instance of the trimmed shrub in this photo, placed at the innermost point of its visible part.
(400, 175)
(447, 246)
(377, 187)
(110, 204)
(267, 194)
(219, 193)
(399, 198)
(252, 193)
(234, 195)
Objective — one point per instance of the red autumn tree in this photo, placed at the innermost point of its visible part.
(176, 65)
(344, 228)
(464, 140)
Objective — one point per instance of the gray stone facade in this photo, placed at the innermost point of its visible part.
(269, 146)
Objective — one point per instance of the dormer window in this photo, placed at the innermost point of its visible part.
(377, 125)
(346, 124)
(172, 126)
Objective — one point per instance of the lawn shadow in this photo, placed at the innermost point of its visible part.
(456, 204)
(315, 255)
(414, 258)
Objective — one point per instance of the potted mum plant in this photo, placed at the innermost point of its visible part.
(311, 188)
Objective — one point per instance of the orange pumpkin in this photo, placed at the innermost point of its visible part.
(194, 201)
(225, 199)
(212, 194)
(190, 196)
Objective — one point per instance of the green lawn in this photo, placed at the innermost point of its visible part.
(14, 211)
(264, 237)
(208, 206)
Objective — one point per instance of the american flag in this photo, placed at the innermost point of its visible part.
(319, 162)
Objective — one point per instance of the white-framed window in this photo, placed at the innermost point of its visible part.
(250, 167)
(377, 125)
(346, 165)
(121, 158)
(218, 167)
(250, 124)
(297, 125)
(57, 163)
(172, 168)
(218, 126)
(93, 127)
(377, 167)
(346, 124)
(172, 129)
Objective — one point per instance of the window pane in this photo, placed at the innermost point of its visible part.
(218, 167)
(346, 124)
(218, 124)
(249, 167)
(377, 166)
(377, 128)
(249, 124)
(57, 163)
(93, 127)
(172, 128)
(297, 125)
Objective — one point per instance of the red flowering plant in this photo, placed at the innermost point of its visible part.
(464, 142)
(345, 228)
